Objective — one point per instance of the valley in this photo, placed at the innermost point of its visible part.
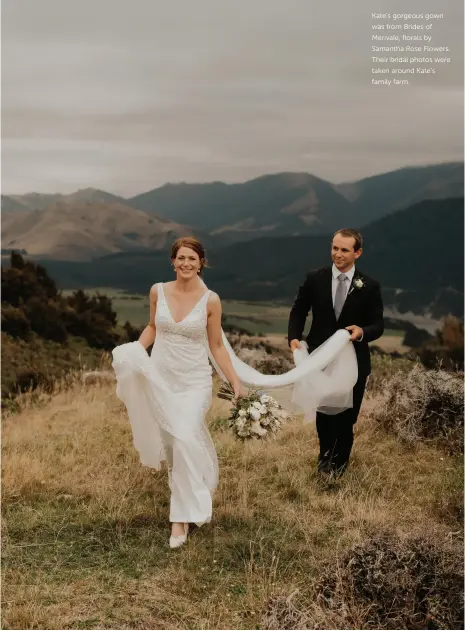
(265, 320)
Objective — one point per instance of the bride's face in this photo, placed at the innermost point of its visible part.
(186, 263)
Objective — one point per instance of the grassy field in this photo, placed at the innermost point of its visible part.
(85, 527)
(133, 308)
(266, 319)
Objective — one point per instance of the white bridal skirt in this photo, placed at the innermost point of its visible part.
(171, 426)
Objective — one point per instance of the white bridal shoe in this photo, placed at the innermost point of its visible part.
(179, 540)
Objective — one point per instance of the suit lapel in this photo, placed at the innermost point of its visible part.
(328, 292)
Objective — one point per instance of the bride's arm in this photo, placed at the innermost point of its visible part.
(215, 341)
(147, 337)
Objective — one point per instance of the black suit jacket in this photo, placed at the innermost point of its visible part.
(363, 307)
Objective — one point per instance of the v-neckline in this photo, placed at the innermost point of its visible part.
(186, 316)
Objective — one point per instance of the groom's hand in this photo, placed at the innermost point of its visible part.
(295, 344)
(356, 333)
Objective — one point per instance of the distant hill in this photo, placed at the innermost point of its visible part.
(40, 201)
(296, 204)
(11, 204)
(382, 194)
(416, 254)
(78, 230)
(285, 203)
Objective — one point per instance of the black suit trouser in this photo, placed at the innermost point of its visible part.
(336, 434)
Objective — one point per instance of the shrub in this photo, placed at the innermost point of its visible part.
(415, 337)
(15, 322)
(45, 319)
(31, 302)
(399, 583)
(386, 582)
(38, 362)
(425, 405)
(264, 357)
(446, 349)
(132, 334)
(383, 367)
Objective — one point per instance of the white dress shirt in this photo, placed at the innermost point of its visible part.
(347, 283)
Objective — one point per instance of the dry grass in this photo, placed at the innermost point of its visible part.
(85, 534)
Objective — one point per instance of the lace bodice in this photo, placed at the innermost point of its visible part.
(193, 326)
(180, 352)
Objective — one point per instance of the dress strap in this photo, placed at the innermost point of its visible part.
(205, 297)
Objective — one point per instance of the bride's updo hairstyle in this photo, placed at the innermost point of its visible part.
(193, 244)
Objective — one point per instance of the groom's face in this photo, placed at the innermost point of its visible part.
(343, 252)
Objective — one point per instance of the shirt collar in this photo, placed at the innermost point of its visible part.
(349, 274)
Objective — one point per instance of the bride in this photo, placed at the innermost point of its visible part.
(168, 394)
(180, 313)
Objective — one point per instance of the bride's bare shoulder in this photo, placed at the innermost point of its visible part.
(213, 299)
(154, 291)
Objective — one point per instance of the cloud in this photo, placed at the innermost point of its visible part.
(128, 96)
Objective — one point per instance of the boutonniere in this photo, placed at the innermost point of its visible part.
(357, 283)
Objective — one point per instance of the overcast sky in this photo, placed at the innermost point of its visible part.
(126, 95)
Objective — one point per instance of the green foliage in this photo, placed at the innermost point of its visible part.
(228, 327)
(132, 333)
(32, 303)
(45, 318)
(92, 318)
(414, 336)
(15, 322)
(28, 364)
(43, 332)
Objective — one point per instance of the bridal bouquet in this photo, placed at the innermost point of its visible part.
(256, 415)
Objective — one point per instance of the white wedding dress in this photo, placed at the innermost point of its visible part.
(168, 394)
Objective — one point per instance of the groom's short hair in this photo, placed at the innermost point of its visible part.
(351, 232)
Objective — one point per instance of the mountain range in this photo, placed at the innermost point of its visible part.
(81, 231)
(261, 235)
(416, 254)
(296, 204)
(91, 223)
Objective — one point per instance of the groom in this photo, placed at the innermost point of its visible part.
(340, 297)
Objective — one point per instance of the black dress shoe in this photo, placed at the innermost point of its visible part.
(325, 468)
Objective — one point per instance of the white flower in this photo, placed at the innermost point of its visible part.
(261, 417)
(358, 282)
(256, 428)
